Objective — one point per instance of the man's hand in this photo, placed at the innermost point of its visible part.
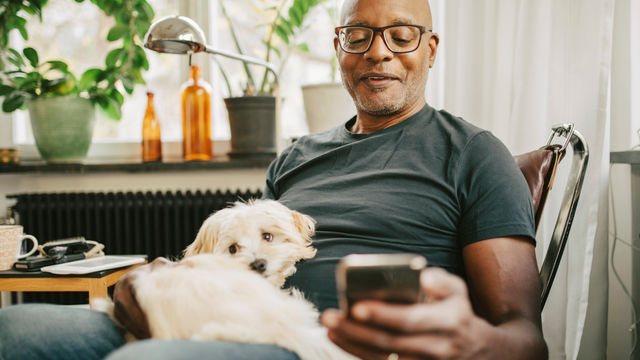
(444, 327)
(125, 305)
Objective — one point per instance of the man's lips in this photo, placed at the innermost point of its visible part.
(376, 79)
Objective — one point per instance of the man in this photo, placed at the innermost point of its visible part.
(402, 177)
(399, 177)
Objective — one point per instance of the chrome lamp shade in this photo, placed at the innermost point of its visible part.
(175, 35)
(181, 35)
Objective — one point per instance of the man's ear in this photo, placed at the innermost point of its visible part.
(434, 40)
(335, 44)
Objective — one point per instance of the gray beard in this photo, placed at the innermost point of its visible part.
(371, 107)
(378, 109)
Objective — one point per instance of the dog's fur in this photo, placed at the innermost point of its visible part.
(218, 293)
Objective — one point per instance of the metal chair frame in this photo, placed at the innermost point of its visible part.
(569, 203)
(539, 168)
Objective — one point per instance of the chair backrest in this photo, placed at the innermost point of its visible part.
(539, 169)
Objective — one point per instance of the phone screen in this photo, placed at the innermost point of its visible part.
(392, 278)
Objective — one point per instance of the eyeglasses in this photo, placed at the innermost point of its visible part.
(399, 39)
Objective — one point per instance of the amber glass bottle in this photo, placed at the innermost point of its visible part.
(151, 140)
(196, 118)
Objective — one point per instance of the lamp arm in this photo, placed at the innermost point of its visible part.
(244, 58)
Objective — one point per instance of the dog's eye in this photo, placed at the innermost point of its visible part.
(233, 249)
(267, 237)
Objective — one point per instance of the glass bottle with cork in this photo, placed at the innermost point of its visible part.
(151, 139)
(196, 118)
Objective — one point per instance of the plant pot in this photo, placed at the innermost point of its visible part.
(326, 106)
(62, 127)
(252, 121)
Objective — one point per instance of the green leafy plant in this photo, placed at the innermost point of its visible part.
(24, 76)
(287, 19)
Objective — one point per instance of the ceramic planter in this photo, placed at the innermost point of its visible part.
(252, 121)
(326, 106)
(62, 127)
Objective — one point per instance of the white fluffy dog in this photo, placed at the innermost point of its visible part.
(223, 300)
(264, 235)
(228, 285)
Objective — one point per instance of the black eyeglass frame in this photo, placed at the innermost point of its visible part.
(423, 29)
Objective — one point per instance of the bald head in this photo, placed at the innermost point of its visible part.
(421, 6)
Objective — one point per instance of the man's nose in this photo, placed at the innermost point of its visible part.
(378, 51)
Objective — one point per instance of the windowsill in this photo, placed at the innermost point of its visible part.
(126, 157)
(222, 162)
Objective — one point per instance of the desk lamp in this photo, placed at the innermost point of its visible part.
(181, 35)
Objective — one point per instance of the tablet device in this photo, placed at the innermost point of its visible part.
(94, 264)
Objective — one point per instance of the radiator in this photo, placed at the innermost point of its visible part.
(155, 224)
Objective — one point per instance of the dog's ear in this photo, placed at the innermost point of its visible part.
(309, 252)
(305, 225)
(193, 249)
(206, 238)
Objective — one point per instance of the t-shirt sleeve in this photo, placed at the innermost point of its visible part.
(269, 189)
(274, 170)
(493, 194)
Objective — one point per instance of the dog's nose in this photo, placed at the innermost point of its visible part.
(259, 265)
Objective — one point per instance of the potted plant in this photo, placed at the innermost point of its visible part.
(252, 116)
(327, 104)
(62, 105)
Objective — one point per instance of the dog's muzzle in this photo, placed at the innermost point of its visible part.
(259, 265)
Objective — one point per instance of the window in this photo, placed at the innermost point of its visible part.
(79, 37)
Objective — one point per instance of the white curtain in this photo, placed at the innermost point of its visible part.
(517, 67)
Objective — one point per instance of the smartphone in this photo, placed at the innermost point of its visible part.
(387, 277)
(33, 263)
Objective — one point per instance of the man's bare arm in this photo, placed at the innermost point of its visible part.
(505, 289)
(504, 286)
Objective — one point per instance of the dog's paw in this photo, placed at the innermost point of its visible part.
(104, 305)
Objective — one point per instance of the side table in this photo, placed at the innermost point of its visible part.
(96, 284)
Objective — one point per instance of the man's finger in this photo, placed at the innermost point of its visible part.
(440, 317)
(438, 284)
(364, 342)
(369, 342)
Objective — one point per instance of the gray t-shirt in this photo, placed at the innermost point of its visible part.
(431, 185)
